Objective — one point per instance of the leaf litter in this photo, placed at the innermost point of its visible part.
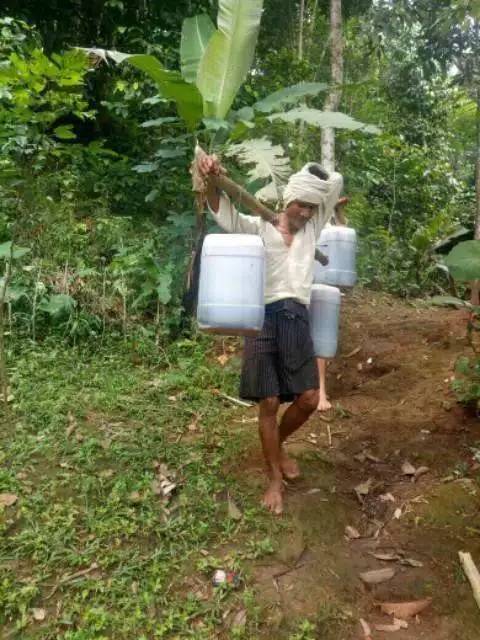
(363, 489)
(233, 511)
(404, 610)
(414, 473)
(8, 499)
(377, 576)
(396, 625)
(39, 614)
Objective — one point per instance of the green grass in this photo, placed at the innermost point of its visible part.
(88, 429)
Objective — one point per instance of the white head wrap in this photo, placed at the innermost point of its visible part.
(306, 187)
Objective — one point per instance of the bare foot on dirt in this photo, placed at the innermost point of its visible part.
(288, 466)
(272, 498)
(323, 403)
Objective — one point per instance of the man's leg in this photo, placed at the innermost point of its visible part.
(293, 418)
(323, 403)
(269, 436)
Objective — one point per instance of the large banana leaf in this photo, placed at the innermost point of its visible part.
(170, 83)
(289, 95)
(229, 54)
(463, 260)
(324, 119)
(196, 32)
(172, 86)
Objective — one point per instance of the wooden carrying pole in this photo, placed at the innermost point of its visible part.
(231, 188)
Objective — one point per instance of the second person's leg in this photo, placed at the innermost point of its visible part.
(323, 403)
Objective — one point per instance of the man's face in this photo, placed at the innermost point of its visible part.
(298, 214)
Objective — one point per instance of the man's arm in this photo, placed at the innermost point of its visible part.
(213, 197)
(229, 219)
(223, 211)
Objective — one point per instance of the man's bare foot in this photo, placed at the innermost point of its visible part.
(323, 403)
(272, 498)
(288, 466)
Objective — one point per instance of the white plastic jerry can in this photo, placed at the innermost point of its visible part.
(324, 319)
(339, 244)
(231, 291)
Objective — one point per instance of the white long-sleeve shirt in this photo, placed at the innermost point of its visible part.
(289, 269)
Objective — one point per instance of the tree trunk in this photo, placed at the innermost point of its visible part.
(475, 290)
(336, 65)
(300, 30)
(477, 173)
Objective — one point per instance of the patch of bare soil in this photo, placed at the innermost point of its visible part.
(391, 387)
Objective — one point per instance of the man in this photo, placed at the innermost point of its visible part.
(279, 364)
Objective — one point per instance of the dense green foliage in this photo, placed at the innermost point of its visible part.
(93, 158)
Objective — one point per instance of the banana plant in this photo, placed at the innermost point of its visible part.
(215, 62)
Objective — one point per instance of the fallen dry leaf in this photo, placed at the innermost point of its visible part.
(387, 497)
(193, 426)
(353, 353)
(421, 471)
(352, 533)
(387, 628)
(403, 624)
(395, 626)
(72, 424)
(410, 562)
(135, 497)
(240, 619)
(7, 499)
(156, 488)
(404, 610)
(106, 473)
(39, 614)
(386, 557)
(408, 469)
(167, 487)
(223, 359)
(367, 632)
(363, 489)
(376, 576)
(233, 511)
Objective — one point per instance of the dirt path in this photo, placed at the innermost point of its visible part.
(391, 383)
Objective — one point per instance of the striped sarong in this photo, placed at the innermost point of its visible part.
(280, 361)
